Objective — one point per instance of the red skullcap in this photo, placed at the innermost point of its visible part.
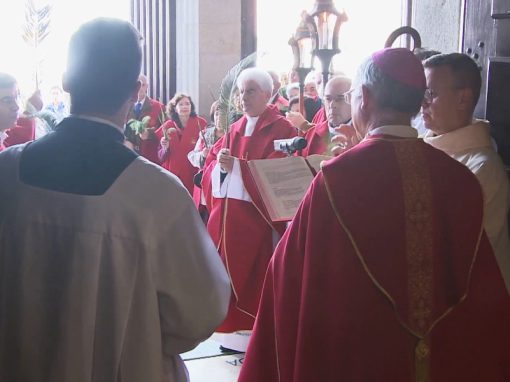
(401, 65)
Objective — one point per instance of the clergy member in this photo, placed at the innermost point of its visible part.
(338, 112)
(453, 89)
(242, 231)
(106, 270)
(385, 273)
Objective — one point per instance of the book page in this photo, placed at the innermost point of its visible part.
(282, 184)
(315, 161)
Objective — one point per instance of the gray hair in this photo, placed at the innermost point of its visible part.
(261, 77)
(388, 93)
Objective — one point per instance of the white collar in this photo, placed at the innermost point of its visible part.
(98, 120)
(401, 131)
(473, 136)
(251, 122)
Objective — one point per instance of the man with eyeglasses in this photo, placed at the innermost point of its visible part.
(338, 112)
(453, 89)
(385, 273)
(14, 129)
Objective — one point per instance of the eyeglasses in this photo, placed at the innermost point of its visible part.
(348, 96)
(429, 95)
(339, 98)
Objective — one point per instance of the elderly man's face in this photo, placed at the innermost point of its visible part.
(440, 105)
(142, 93)
(337, 110)
(9, 107)
(253, 99)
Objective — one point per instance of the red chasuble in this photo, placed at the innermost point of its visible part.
(385, 274)
(182, 141)
(240, 229)
(317, 139)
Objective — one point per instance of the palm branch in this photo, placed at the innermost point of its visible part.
(36, 29)
(139, 126)
(228, 87)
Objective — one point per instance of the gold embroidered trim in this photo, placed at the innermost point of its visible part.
(418, 206)
(417, 194)
(422, 361)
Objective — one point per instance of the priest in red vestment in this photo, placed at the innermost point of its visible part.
(146, 143)
(385, 273)
(318, 136)
(238, 223)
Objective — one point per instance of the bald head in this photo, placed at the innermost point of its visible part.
(337, 110)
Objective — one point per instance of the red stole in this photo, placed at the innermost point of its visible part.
(384, 275)
(182, 141)
(240, 229)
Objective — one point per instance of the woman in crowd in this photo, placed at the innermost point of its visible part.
(178, 136)
(197, 156)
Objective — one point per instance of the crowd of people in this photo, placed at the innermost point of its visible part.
(133, 230)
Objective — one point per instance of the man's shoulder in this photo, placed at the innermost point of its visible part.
(11, 155)
(154, 178)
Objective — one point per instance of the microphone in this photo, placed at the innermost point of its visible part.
(291, 145)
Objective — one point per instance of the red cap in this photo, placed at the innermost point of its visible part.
(401, 65)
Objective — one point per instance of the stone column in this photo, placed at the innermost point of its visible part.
(220, 46)
(439, 23)
(187, 48)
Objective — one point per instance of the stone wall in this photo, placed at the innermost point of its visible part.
(220, 46)
(438, 22)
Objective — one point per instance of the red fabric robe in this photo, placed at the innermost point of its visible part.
(317, 139)
(148, 148)
(175, 159)
(385, 274)
(241, 230)
(23, 132)
(320, 116)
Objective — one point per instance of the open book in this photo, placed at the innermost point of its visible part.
(282, 183)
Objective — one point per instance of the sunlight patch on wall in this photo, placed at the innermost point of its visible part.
(66, 15)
